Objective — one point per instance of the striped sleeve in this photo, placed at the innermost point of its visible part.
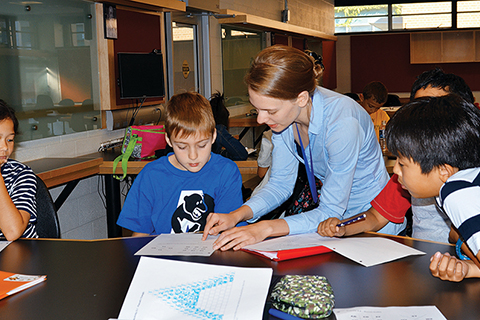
(21, 184)
(459, 198)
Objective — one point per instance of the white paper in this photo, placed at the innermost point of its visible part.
(4, 244)
(167, 289)
(365, 251)
(180, 244)
(390, 313)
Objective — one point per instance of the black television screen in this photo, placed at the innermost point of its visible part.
(141, 75)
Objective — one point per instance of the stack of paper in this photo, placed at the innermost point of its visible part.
(368, 251)
(167, 289)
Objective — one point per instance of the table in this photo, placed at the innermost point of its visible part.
(69, 171)
(89, 279)
(57, 171)
(246, 122)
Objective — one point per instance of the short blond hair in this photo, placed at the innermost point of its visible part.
(187, 114)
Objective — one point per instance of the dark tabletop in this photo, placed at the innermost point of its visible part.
(89, 279)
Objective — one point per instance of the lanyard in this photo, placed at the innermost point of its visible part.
(309, 168)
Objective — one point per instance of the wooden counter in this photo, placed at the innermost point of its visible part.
(57, 171)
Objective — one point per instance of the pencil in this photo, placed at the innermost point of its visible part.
(363, 216)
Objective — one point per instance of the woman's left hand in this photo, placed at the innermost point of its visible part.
(239, 237)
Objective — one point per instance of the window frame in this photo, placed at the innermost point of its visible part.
(391, 16)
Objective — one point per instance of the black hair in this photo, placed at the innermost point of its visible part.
(434, 131)
(449, 82)
(375, 90)
(7, 112)
(352, 95)
(220, 112)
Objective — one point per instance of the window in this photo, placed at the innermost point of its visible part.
(468, 13)
(422, 15)
(78, 34)
(46, 58)
(239, 47)
(407, 16)
(361, 18)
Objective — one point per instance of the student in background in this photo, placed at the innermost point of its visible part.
(334, 131)
(393, 201)
(436, 82)
(225, 144)
(437, 144)
(18, 184)
(177, 192)
(374, 96)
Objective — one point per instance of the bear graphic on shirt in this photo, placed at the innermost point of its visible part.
(192, 211)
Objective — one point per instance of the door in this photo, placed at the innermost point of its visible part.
(188, 57)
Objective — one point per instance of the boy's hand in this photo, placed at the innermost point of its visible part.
(446, 267)
(328, 228)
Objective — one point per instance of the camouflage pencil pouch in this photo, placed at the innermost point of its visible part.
(304, 296)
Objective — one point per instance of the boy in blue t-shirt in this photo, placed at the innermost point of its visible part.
(437, 144)
(175, 193)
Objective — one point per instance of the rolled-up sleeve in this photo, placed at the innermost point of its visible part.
(282, 179)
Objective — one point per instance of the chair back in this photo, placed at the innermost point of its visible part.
(44, 102)
(47, 218)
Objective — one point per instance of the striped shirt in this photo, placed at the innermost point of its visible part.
(460, 198)
(21, 185)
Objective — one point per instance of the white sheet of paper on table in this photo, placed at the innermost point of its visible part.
(4, 244)
(389, 313)
(181, 244)
(365, 251)
(167, 289)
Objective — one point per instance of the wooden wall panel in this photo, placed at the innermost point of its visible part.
(386, 58)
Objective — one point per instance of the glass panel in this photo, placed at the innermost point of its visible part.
(361, 18)
(421, 8)
(185, 58)
(371, 24)
(355, 11)
(423, 21)
(239, 47)
(468, 20)
(46, 53)
(463, 6)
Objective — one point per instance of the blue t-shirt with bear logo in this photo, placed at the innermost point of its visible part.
(164, 199)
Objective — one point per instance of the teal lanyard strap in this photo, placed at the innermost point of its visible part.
(309, 168)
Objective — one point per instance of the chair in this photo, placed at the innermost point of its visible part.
(47, 219)
(67, 103)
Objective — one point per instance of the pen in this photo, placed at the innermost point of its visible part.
(282, 315)
(363, 216)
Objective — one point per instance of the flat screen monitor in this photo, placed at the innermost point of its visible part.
(141, 75)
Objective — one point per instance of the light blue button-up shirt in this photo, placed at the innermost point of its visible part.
(346, 158)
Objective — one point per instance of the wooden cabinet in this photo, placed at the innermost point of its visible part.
(445, 47)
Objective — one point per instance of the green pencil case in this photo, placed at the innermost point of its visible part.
(309, 297)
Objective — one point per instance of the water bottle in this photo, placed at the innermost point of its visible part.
(381, 136)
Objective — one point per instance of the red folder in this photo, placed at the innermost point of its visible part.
(11, 283)
(282, 255)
